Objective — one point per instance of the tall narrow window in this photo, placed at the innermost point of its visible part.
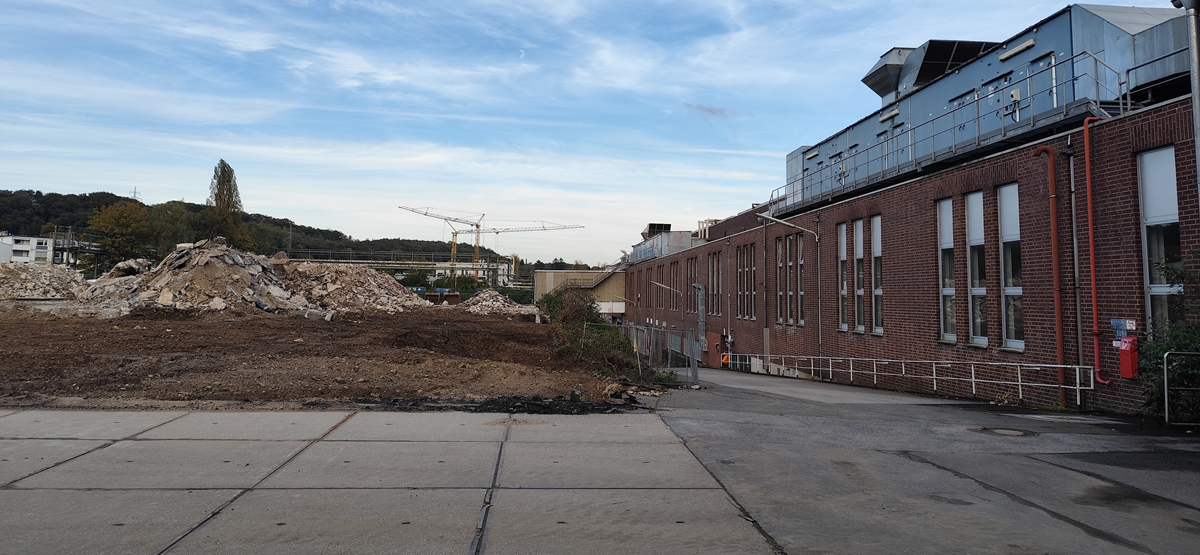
(674, 277)
(693, 276)
(662, 293)
(1010, 267)
(752, 301)
(976, 269)
(741, 282)
(790, 276)
(860, 320)
(841, 231)
(781, 282)
(799, 278)
(714, 284)
(1160, 224)
(945, 225)
(877, 274)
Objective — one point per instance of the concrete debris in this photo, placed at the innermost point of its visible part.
(19, 280)
(347, 288)
(490, 301)
(206, 275)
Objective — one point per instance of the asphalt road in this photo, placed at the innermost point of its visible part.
(825, 468)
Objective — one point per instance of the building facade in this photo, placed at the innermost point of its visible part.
(932, 267)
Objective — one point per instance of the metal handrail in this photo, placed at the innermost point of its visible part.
(843, 176)
(939, 370)
(1167, 388)
(1127, 99)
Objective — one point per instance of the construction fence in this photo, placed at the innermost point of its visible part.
(662, 350)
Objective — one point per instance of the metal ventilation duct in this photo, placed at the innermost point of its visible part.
(884, 77)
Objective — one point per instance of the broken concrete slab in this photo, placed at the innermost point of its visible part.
(248, 425)
(81, 425)
(169, 464)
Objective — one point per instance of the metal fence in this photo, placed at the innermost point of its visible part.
(1189, 405)
(954, 377)
(665, 350)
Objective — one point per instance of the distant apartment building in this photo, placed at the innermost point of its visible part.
(35, 250)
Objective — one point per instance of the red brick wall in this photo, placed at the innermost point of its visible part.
(910, 261)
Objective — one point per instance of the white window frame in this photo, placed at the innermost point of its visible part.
(842, 277)
(1158, 192)
(976, 247)
(860, 315)
(876, 275)
(947, 323)
(1009, 212)
(799, 281)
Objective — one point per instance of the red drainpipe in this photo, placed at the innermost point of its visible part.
(1087, 169)
(1060, 355)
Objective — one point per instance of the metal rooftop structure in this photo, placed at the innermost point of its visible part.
(948, 101)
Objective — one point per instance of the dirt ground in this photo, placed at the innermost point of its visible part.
(164, 358)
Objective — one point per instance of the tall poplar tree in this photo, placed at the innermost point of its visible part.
(223, 217)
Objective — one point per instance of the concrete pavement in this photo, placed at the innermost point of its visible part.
(765, 464)
(825, 468)
(336, 482)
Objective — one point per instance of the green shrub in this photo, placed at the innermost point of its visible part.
(1180, 335)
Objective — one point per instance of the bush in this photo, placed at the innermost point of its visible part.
(581, 334)
(1180, 335)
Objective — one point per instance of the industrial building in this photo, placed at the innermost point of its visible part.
(992, 231)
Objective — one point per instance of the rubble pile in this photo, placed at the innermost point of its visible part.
(19, 280)
(202, 275)
(490, 301)
(346, 288)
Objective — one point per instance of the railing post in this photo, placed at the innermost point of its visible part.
(1020, 388)
(973, 392)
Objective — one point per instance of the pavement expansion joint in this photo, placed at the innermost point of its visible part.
(10, 485)
(479, 541)
(241, 493)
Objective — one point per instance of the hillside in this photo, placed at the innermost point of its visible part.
(27, 212)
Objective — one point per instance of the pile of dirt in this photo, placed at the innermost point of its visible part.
(490, 301)
(206, 275)
(19, 280)
(346, 288)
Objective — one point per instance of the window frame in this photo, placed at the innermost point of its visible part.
(843, 323)
(1158, 214)
(976, 246)
(1011, 296)
(947, 299)
(876, 274)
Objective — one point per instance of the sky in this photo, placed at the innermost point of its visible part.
(333, 113)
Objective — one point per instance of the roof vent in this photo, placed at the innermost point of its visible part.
(884, 77)
(654, 229)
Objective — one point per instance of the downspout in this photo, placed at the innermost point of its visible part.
(1075, 265)
(820, 322)
(1059, 354)
(1087, 177)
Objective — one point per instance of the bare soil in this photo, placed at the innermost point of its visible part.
(248, 359)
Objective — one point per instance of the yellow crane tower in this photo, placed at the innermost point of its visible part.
(478, 229)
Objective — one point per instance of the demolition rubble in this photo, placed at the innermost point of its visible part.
(209, 275)
(490, 301)
(35, 281)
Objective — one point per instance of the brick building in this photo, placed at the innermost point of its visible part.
(914, 250)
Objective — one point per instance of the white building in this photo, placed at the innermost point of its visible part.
(18, 248)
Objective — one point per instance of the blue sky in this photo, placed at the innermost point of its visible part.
(605, 114)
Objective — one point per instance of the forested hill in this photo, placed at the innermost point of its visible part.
(36, 213)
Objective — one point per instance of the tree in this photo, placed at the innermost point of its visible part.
(172, 223)
(223, 217)
(126, 228)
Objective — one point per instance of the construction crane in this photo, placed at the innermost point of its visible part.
(478, 229)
